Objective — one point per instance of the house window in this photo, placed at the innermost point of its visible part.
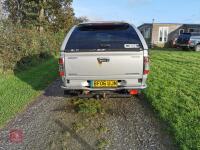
(147, 33)
(191, 30)
(181, 31)
(163, 34)
(160, 35)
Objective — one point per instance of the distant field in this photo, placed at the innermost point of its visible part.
(19, 89)
(174, 91)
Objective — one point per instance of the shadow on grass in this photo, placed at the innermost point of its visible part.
(38, 71)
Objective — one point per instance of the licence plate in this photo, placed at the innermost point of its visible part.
(104, 83)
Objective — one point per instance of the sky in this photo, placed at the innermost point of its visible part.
(139, 11)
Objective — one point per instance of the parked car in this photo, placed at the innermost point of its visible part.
(104, 56)
(189, 40)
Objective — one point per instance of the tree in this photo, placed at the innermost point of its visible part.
(1, 11)
(24, 12)
(14, 8)
(81, 19)
(61, 15)
(41, 14)
(42, 20)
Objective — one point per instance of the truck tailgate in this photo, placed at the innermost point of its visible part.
(104, 63)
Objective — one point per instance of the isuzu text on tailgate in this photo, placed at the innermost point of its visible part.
(104, 57)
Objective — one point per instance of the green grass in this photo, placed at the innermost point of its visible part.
(90, 106)
(17, 90)
(174, 91)
(78, 126)
(102, 143)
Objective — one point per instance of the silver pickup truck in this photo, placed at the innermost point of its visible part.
(189, 40)
(102, 57)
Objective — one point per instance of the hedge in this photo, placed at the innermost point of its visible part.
(24, 46)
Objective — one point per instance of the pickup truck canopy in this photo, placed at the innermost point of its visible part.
(109, 36)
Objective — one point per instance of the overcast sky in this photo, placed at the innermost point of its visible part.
(139, 11)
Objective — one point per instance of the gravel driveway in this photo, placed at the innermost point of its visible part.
(48, 123)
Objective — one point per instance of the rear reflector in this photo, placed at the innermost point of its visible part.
(133, 92)
(61, 73)
(146, 72)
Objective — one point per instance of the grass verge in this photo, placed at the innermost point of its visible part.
(174, 91)
(19, 89)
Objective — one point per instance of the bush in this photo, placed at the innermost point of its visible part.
(90, 106)
(18, 43)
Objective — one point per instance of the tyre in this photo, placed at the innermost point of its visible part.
(72, 93)
(197, 48)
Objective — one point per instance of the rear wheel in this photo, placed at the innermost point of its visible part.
(72, 93)
(197, 48)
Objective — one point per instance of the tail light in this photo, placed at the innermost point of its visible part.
(61, 73)
(61, 67)
(61, 61)
(146, 66)
(189, 42)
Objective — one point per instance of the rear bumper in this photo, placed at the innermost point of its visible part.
(105, 89)
(124, 83)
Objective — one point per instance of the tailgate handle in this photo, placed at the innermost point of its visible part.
(100, 60)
